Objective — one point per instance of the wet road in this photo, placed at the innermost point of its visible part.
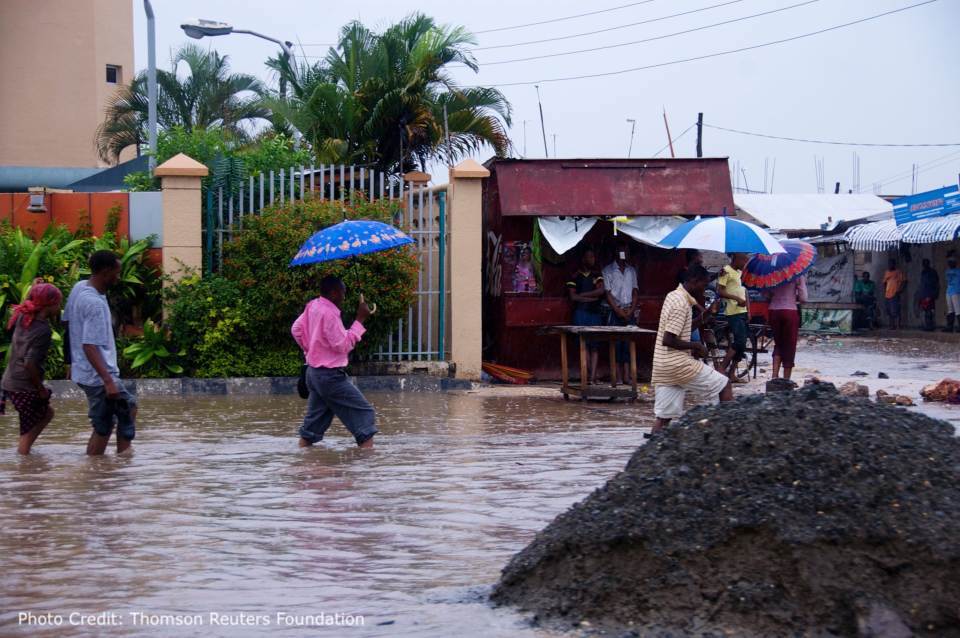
(910, 365)
(219, 512)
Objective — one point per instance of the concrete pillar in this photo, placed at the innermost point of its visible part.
(466, 260)
(180, 178)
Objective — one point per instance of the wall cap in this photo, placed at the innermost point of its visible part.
(469, 168)
(181, 165)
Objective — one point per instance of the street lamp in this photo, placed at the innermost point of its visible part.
(633, 126)
(198, 29)
(151, 85)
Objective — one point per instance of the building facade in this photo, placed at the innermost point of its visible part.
(60, 61)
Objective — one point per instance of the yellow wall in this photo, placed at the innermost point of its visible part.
(53, 58)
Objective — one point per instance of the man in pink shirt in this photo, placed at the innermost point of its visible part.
(327, 344)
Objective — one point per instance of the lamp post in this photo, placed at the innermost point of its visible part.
(151, 85)
(633, 126)
(198, 29)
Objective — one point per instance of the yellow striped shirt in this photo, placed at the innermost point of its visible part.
(672, 366)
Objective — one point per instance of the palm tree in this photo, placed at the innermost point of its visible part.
(210, 96)
(378, 99)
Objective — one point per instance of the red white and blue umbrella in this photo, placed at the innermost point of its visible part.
(724, 235)
(349, 239)
(769, 271)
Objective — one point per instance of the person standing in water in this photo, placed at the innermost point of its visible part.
(23, 378)
(785, 323)
(327, 344)
(93, 356)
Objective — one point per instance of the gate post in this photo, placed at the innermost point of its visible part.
(466, 261)
(180, 179)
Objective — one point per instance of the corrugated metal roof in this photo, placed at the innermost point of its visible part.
(595, 187)
(886, 234)
(806, 211)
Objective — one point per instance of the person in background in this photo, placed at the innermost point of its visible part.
(894, 281)
(23, 378)
(730, 288)
(586, 289)
(785, 323)
(94, 356)
(952, 277)
(623, 296)
(327, 344)
(865, 294)
(928, 293)
(676, 368)
(524, 277)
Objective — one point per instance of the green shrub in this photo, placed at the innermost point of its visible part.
(258, 261)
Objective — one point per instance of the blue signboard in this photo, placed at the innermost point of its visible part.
(943, 201)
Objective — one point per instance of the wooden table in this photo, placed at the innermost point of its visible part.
(611, 334)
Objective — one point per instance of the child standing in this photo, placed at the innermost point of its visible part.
(23, 379)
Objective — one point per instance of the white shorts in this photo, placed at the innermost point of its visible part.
(953, 304)
(705, 387)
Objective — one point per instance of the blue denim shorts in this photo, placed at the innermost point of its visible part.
(104, 413)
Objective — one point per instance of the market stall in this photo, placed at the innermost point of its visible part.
(539, 215)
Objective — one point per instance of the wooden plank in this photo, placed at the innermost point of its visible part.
(613, 362)
(583, 363)
(565, 373)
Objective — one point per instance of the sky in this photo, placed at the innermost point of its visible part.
(892, 80)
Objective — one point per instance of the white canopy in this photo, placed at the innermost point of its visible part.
(886, 234)
(563, 233)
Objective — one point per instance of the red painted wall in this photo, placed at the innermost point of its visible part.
(67, 209)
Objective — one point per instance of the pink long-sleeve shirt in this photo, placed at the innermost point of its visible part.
(320, 334)
(786, 296)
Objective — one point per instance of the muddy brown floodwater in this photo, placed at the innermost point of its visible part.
(219, 511)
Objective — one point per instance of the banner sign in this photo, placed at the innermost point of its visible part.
(830, 280)
(936, 203)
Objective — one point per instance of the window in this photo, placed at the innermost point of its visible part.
(113, 74)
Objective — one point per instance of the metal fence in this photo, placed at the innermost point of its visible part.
(421, 334)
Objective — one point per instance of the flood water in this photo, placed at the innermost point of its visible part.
(218, 512)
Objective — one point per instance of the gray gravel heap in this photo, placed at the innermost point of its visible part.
(782, 514)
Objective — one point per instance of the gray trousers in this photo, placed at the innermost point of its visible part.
(333, 395)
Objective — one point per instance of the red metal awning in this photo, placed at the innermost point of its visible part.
(595, 187)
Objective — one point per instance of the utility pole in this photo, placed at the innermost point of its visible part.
(543, 128)
(699, 134)
(554, 144)
(667, 125)
(633, 127)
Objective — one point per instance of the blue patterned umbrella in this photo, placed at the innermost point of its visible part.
(349, 239)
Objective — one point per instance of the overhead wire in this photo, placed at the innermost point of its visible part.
(571, 17)
(685, 131)
(606, 30)
(652, 39)
(830, 142)
(715, 54)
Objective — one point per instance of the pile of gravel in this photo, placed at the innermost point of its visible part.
(782, 514)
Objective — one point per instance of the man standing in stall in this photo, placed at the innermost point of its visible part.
(623, 296)
(586, 289)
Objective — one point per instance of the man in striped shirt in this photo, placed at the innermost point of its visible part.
(677, 365)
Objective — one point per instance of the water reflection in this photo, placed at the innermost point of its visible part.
(219, 511)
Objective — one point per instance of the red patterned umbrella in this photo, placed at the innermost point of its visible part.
(769, 271)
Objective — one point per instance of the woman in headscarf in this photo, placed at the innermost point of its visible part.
(23, 379)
